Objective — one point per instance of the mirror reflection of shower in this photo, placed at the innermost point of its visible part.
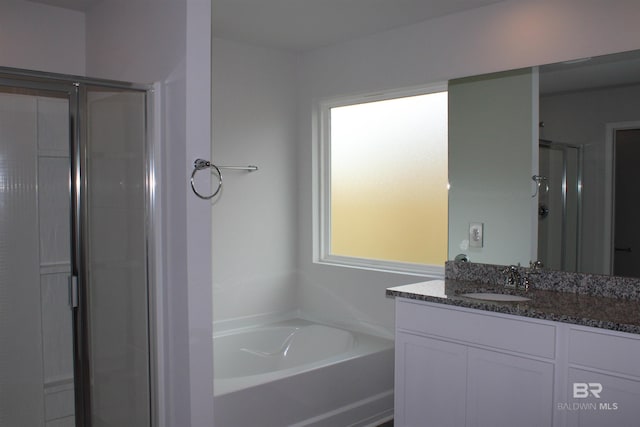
(559, 204)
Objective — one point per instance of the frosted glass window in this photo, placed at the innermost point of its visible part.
(388, 180)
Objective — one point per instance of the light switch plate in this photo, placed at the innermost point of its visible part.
(476, 234)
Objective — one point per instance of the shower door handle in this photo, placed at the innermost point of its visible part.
(73, 291)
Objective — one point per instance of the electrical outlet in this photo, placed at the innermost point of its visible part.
(476, 234)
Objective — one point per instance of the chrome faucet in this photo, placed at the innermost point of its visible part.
(513, 277)
(516, 280)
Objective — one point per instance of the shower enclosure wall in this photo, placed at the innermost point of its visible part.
(74, 218)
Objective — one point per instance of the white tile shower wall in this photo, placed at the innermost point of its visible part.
(44, 346)
(254, 219)
(58, 402)
(55, 257)
(56, 328)
(53, 201)
(20, 317)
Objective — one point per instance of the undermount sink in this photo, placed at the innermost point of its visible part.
(490, 296)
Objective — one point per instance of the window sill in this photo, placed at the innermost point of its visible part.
(406, 268)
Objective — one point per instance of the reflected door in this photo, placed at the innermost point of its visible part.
(626, 257)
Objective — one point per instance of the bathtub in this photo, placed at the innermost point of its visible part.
(300, 373)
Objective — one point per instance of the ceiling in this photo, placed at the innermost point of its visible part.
(301, 25)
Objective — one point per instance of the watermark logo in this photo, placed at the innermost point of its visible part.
(584, 390)
(587, 406)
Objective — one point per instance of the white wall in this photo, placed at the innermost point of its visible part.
(169, 42)
(254, 121)
(501, 36)
(581, 118)
(39, 37)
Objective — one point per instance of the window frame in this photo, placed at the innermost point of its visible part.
(322, 186)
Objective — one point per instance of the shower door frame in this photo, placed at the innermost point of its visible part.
(74, 89)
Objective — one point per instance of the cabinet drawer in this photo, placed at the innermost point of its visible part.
(610, 351)
(476, 327)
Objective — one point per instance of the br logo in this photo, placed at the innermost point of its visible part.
(584, 390)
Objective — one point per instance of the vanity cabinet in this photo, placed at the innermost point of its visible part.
(609, 364)
(430, 377)
(508, 390)
(457, 366)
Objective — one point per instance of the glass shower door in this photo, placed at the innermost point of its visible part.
(559, 207)
(74, 273)
(113, 236)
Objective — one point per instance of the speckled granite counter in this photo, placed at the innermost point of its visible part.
(619, 314)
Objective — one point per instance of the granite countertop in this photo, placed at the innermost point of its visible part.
(619, 314)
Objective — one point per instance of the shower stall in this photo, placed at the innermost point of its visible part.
(559, 205)
(75, 197)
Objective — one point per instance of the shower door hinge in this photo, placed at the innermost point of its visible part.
(73, 291)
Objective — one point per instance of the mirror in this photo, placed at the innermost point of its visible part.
(543, 162)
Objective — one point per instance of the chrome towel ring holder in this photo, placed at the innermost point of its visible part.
(200, 164)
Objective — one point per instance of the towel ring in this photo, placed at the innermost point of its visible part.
(201, 164)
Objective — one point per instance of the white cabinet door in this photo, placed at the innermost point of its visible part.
(616, 401)
(604, 366)
(430, 382)
(506, 390)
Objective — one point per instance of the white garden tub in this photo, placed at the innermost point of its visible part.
(301, 373)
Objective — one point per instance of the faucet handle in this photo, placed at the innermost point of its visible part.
(536, 266)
